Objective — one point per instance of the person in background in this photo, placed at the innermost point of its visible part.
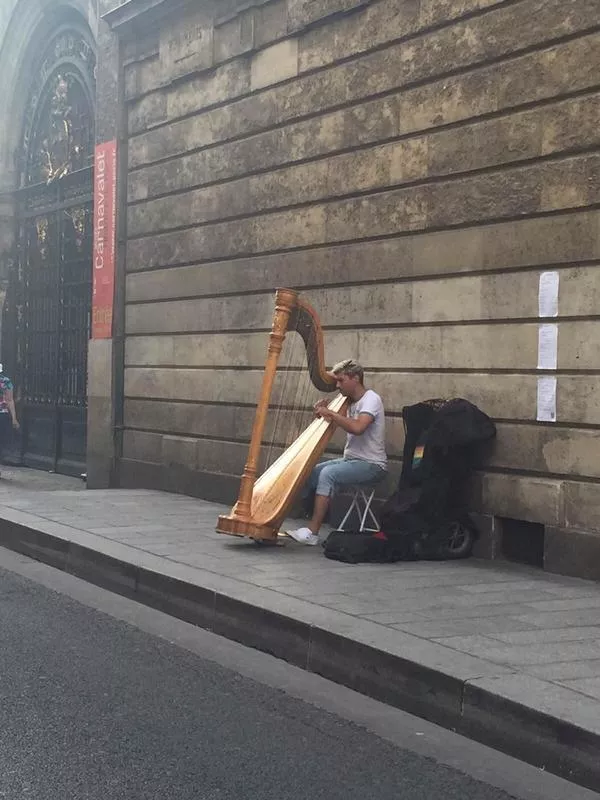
(8, 414)
(364, 459)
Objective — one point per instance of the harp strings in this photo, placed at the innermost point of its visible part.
(291, 409)
(277, 405)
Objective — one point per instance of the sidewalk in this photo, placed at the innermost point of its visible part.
(507, 655)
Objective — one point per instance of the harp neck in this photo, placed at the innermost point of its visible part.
(303, 319)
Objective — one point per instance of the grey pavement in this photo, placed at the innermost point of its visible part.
(513, 637)
(104, 698)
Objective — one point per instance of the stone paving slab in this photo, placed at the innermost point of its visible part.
(507, 654)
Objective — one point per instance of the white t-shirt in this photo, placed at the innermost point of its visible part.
(370, 445)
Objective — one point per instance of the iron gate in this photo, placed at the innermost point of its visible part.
(47, 317)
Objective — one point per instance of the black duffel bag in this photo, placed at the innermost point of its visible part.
(359, 547)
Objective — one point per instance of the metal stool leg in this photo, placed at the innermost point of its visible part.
(363, 514)
(368, 512)
(353, 505)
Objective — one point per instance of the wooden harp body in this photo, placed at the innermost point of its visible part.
(264, 502)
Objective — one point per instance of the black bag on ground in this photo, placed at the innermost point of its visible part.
(443, 444)
(356, 547)
(352, 547)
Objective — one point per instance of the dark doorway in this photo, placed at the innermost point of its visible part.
(46, 321)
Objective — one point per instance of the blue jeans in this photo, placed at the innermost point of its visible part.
(328, 475)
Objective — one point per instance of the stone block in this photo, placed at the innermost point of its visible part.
(181, 600)
(206, 385)
(102, 570)
(190, 418)
(378, 260)
(35, 544)
(493, 297)
(224, 83)
(503, 86)
(234, 36)
(285, 187)
(100, 424)
(262, 629)
(573, 184)
(305, 139)
(144, 76)
(274, 64)
(582, 505)
(100, 471)
(142, 446)
(557, 450)
(476, 347)
(373, 25)
(400, 211)
(179, 450)
(107, 84)
(578, 400)
(523, 497)
(573, 124)
(572, 552)
(153, 350)
(234, 313)
(508, 396)
(549, 726)
(100, 368)
(560, 239)
(149, 111)
(289, 229)
(435, 11)
(270, 22)
(579, 291)
(384, 676)
(199, 92)
(577, 340)
(186, 45)
(302, 13)
(521, 190)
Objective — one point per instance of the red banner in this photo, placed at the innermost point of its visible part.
(105, 208)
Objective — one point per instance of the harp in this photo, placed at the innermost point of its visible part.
(264, 501)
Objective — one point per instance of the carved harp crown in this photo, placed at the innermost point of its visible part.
(263, 503)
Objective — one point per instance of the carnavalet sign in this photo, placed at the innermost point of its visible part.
(105, 190)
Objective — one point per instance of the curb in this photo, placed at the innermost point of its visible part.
(469, 707)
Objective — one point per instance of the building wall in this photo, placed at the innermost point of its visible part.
(412, 166)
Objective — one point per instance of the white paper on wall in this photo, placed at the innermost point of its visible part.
(548, 294)
(548, 346)
(546, 399)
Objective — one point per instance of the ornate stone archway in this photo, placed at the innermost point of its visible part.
(46, 317)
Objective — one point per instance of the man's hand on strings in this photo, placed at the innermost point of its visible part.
(325, 413)
(319, 405)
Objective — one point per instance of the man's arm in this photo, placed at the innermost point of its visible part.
(10, 402)
(356, 426)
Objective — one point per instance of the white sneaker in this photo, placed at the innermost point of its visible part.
(304, 536)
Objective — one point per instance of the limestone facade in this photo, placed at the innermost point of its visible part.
(413, 167)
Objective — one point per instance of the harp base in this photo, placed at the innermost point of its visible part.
(236, 526)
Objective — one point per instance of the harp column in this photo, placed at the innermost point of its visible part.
(285, 302)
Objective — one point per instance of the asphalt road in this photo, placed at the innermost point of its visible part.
(102, 699)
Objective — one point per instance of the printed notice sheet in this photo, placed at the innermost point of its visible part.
(548, 294)
(548, 346)
(546, 399)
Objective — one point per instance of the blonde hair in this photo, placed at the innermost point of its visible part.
(349, 367)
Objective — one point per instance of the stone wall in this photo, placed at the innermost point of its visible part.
(412, 166)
